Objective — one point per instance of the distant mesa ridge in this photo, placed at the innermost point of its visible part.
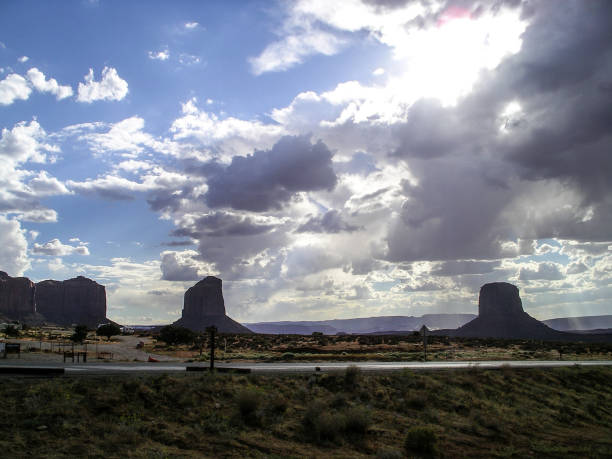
(203, 306)
(74, 301)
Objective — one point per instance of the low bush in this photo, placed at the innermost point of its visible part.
(421, 439)
(352, 375)
(249, 402)
(357, 421)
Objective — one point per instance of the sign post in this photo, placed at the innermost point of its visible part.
(424, 331)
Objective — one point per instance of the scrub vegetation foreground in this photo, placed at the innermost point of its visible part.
(472, 413)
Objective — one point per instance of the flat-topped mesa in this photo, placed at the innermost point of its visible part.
(204, 299)
(74, 301)
(499, 299)
(204, 306)
(16, 296)
(501, 315)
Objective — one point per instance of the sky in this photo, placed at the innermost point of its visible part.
(325, 159)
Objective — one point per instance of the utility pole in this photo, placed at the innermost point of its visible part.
(212, 330)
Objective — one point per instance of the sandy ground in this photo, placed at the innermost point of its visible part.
(123, 349)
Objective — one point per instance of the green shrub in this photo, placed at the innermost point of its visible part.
(357, 420)
(277, 405)
(173, 334)
(249, 402)
(352, 375)
(11, 330)
(320, 424)
(421, 439)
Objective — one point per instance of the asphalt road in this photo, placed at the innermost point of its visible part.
(14, 366)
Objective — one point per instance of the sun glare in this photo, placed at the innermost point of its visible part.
(445, 61)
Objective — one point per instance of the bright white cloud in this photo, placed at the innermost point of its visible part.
(126, 137)
(23, 59)
(293, 49)
(120, 188)
(55, 248)
(231, 135)
(132, 165)
(161, 55)
(40, 83)
(14, 87)
(191, 25)
(13, 256)
(45, 185)
(110, 87)
(25, 142)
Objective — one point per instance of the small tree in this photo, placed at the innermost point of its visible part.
(173, 334)
(11, 330)
(80, 334)
(108, 330)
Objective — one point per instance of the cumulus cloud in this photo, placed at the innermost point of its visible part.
(45, 185)
(37, 215)
(25, 142)
(228, 135)
(181, 266)
(20, 189)
(40, 83)
(110, 87)
(14, 254)
(543, 271)
(55, 248)
(268, 179)
(126, 137)
(14, 87)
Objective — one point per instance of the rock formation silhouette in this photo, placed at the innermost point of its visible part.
(79, 301)
(501, 315)
(204, 306)
(16, 297)
(74, 301)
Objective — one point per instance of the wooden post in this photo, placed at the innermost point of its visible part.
(424, 331)
(212, 330)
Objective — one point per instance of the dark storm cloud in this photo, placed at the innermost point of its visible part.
(168, 200)
(330, 222)
(452, 214)
(221, 224)
(268, 179)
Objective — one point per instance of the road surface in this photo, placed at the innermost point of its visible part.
(14, 366)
